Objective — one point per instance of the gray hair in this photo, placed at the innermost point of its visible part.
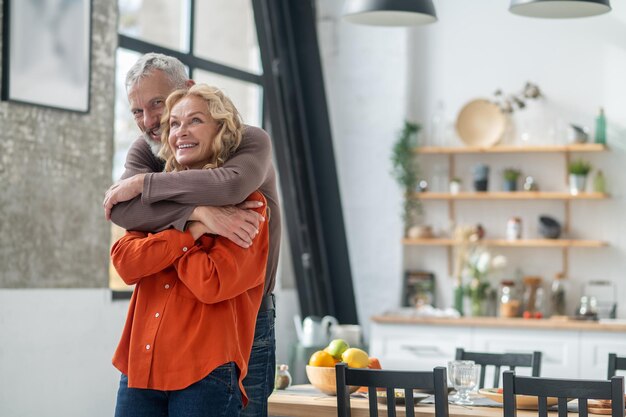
(172, 67)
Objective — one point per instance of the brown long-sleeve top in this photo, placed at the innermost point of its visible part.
(169, 198)
(194, 306)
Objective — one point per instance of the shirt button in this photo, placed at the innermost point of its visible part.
(167, 286)
(147, 347)
(184, 248)
(157, 315)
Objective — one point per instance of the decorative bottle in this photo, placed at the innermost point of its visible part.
(599, 182)
(437, 126)
(600, 136)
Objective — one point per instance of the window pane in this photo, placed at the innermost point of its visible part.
(225, 32)
(246, 96)
(125, 130)
(162, 22)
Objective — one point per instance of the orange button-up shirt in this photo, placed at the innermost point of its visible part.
(194, 306)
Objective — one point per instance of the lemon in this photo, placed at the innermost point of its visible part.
(355, 358)
(321, 358)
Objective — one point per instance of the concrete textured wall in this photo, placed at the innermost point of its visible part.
(54, 168)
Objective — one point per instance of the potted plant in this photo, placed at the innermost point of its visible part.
(578, 171)
(406, 171)
(510, 179)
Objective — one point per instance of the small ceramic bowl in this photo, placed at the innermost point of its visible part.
(549, 228)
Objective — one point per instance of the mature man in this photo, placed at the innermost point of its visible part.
(147, 199)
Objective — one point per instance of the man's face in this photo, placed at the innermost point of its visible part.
(147, 103)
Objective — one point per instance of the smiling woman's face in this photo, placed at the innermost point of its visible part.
(192, 131)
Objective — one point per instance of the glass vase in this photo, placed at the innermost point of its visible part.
(477, 305)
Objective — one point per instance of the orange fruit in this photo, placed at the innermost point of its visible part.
(374, 363)
(321, 358)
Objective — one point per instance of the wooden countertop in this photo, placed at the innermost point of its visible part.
(510, 323)
(306, 401)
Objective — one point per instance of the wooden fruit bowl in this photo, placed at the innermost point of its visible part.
(324, 379)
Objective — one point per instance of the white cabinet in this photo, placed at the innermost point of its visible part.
(594, 351)
(566, 353)
(410, 347)
(559, 349)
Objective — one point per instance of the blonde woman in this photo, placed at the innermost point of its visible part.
(185, 347)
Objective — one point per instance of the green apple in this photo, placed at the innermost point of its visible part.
(336, 348)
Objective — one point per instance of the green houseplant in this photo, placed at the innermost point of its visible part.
(579, 167)
(406, 170)
(578, 171)
(510, 178)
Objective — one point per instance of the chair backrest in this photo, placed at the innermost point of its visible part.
(616, 363)
(498, 360)
(391, 379)
(564, 390)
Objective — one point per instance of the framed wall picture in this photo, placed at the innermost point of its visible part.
(46, 53)
(418, 289)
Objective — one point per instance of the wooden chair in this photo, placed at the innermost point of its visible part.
(616, 363)
(390, 379)
(512, 360)
(563, 389)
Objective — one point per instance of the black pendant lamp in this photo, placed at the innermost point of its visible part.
(390, 12)
(559, 9)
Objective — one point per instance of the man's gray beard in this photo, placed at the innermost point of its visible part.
(154, 147)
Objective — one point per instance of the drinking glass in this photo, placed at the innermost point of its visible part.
(464, 380)
(451, 376)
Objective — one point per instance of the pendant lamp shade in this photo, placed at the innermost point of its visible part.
(559, 9)
(390, 12)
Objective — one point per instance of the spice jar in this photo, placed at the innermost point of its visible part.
(514, 228)
(283, 377)
(509, 303)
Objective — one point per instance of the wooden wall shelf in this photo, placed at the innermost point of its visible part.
(520, 243)
(444, 150)
(452, 153)
(515, 195)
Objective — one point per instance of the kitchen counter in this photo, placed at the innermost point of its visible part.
(497, 322)
(570, 348)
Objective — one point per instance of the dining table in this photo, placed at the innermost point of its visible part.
(307, 401)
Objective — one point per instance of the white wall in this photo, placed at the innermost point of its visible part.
(375, 77)
(55, 352)
(56, 347)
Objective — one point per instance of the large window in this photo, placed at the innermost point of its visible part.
(215, 39)
(221, 42)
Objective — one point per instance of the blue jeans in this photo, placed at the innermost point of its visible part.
(259, 382)
(217, 394)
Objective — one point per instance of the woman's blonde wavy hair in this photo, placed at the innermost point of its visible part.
(221, 109)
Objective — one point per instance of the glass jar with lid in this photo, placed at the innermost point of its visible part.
(282, 378)
(533, 296)
(509, 301)
(558, 296)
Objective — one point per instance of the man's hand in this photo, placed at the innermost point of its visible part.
(197, 229)
(236, 223)
(121, 191)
